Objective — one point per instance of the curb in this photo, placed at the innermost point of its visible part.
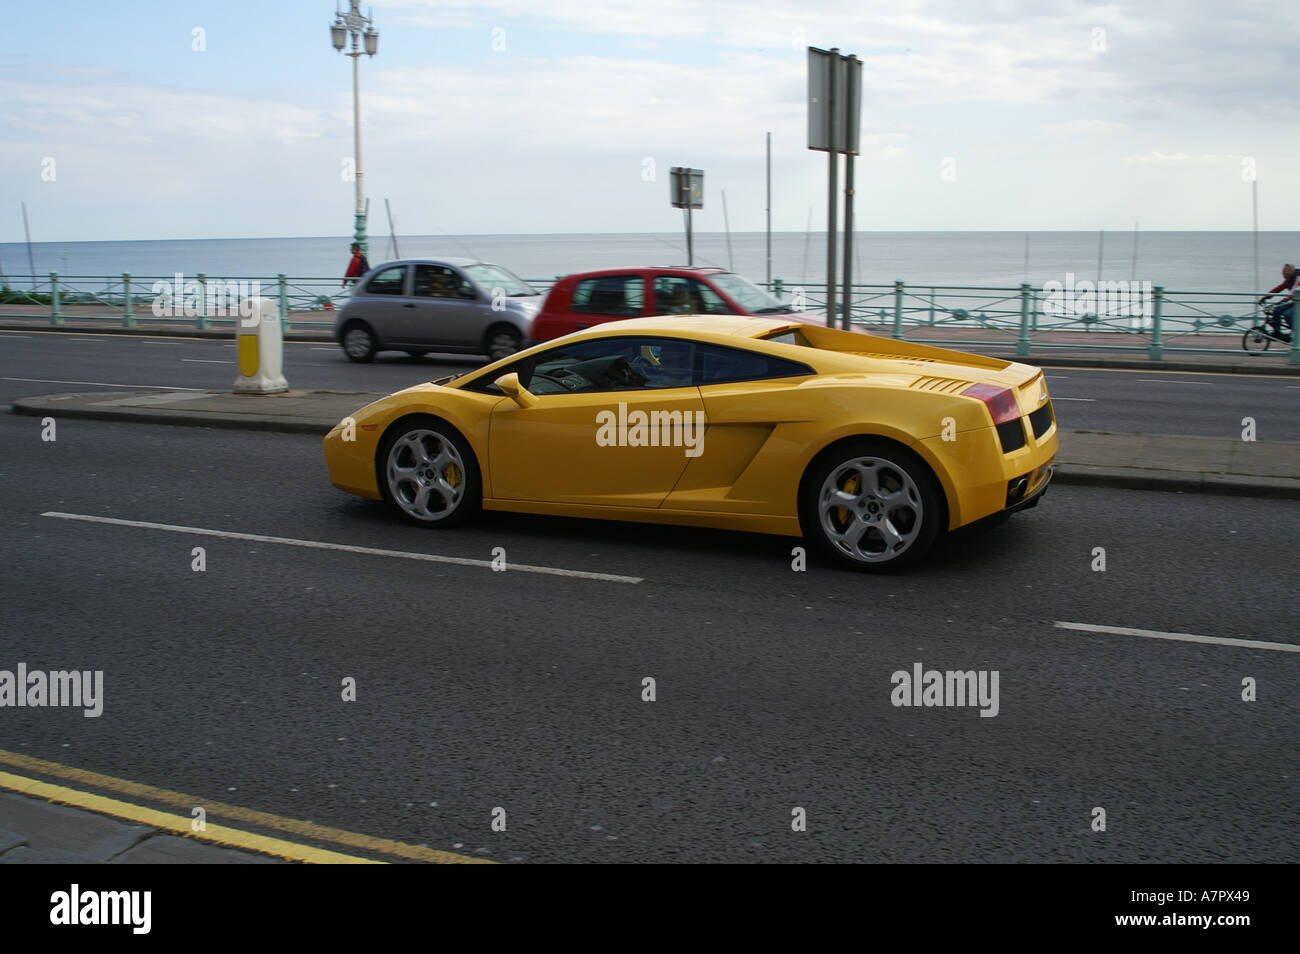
(1135, 478)
(272, 423)
(1083, 475)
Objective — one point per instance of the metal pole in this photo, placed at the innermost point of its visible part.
(1022, 345)
(726, 224)
(284, 302)
(1295, 338)
(1133, 274)
(56, 315)
(769, 210)
(1101, 244)
(1156, 351)
(1254, 218)
(360, 236)
(31, 264)
(690, 243)
(848, 241)
(832, 175)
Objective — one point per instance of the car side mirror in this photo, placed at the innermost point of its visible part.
(509, 383)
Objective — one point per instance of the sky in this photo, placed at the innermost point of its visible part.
(158, 119)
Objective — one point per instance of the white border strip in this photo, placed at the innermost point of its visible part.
(1180, 637)
(346, 548)
(107, 384)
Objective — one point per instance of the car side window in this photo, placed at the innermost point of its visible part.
(679, 295)
(603, 364)
(438, 281)
(621, 295)
(718, 364)
(387, 282)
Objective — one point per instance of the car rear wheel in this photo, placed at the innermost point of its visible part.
(429, 473)
(872, 505)
(359, 342)
(502, 342)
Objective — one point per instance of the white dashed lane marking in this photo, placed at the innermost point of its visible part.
(1180, 637)
(345, 548)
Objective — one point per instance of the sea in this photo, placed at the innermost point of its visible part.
(1201, 261)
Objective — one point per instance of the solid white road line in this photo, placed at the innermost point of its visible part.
(204, 361)
(107, 384)
(314, 348)
(1180, 637)
(1057, 397)
(345, 548)
(1171, 381)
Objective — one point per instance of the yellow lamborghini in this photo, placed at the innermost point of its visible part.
(867, 447)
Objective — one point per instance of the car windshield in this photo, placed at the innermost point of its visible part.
(748, 295)
(494, 276)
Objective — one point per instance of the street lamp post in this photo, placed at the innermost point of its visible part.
(365, 39)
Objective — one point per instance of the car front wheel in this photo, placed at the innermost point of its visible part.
(872, 505)
(429, 473)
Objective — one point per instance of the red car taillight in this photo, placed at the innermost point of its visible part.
(1000, 401)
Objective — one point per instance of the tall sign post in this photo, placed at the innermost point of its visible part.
(834, 107)
(687, 193)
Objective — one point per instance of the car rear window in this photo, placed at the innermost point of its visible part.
(716, 364)
(620, 295)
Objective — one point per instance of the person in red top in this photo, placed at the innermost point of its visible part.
(1282, 313)
(357, 267)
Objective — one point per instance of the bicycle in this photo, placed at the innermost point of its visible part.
(1256, 340)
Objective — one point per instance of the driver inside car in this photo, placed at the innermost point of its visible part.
(667, 365)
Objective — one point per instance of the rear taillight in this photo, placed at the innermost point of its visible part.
(1000, 401)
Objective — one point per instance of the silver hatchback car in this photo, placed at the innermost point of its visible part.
(454, 305)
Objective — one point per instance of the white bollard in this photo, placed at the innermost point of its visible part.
(259, 347)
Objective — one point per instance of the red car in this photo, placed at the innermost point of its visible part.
(591, 298)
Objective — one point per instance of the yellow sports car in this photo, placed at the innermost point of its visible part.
(866, 446)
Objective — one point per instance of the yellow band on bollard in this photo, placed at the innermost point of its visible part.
(248, 355)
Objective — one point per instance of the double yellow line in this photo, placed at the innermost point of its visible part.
(218, 834)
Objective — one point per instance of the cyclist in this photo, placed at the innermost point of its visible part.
(1282, 313)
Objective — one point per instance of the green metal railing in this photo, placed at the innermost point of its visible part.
(1148, 319)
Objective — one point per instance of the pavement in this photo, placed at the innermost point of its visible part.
(1173, 462)
(38, 832)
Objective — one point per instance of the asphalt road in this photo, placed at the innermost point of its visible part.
(1153, 401)
(523, 691)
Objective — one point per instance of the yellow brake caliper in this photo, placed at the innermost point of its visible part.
(452, 473)
(851, 486)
